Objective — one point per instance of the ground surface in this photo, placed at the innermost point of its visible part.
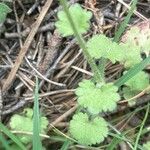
(59, 63)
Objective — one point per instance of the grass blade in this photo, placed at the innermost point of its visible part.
(113, 143)
(4, 142)
(141, 128)
(132, 72)
(12, 136)
(125, 22)
(66, 145)
(37, 144)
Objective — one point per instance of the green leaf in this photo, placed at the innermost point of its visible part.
(25, 123)
(140, 38)
(4, 9)
(141, 128)
(130, 50)
(66, 145)
(132, 72)
(102, 46)
(135, 85)
(139, 82)
(98, 45)
(80, 16)
(146, 146)
(37, 144)
(97, 98)
(128, 93)
(131, 35)
(14, 138)
(4, 143)
(88, 132)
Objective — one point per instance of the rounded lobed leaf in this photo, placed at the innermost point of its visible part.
(80, 16)
(139, 35)
(127, 94)
(97, 99)
(25, 123)
(88, 132)
(139, 82)
(129, 51)
(98, 46)
(101, 46)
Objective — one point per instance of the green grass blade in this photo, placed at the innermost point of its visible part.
(113, 143)
(66, 145)
(4, 142)
(141, 128)
(132, 72)
(125, 22)
(37, 144)
(12, 136)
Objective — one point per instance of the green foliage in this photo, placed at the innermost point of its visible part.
(128, 52)
(146, 146)
(80, 17)
(98, 45)
(101, 97)
(140, 38)
(101, 46)
(14, 138)
(139, 82)
(87, 131)
(135, 85)
(37, 144)
(4, 10)
(127, 94)
(4, 142)
(25, 123)
(97, 98)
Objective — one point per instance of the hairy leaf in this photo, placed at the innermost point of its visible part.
(97, 98)
(139, 82)
(101, 46)
(131, 54)
(127, 94)
(139, 35)
(25, 123)
(87, 131)
(80, 16)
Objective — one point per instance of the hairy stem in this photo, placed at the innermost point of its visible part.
(98, 76)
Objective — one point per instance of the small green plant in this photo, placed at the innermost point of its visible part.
(24, 123)
(90, 96)
(136, 84)
(81, 18)
(91, 131)
(97, 96)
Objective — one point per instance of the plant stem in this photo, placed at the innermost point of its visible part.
(98, 76)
